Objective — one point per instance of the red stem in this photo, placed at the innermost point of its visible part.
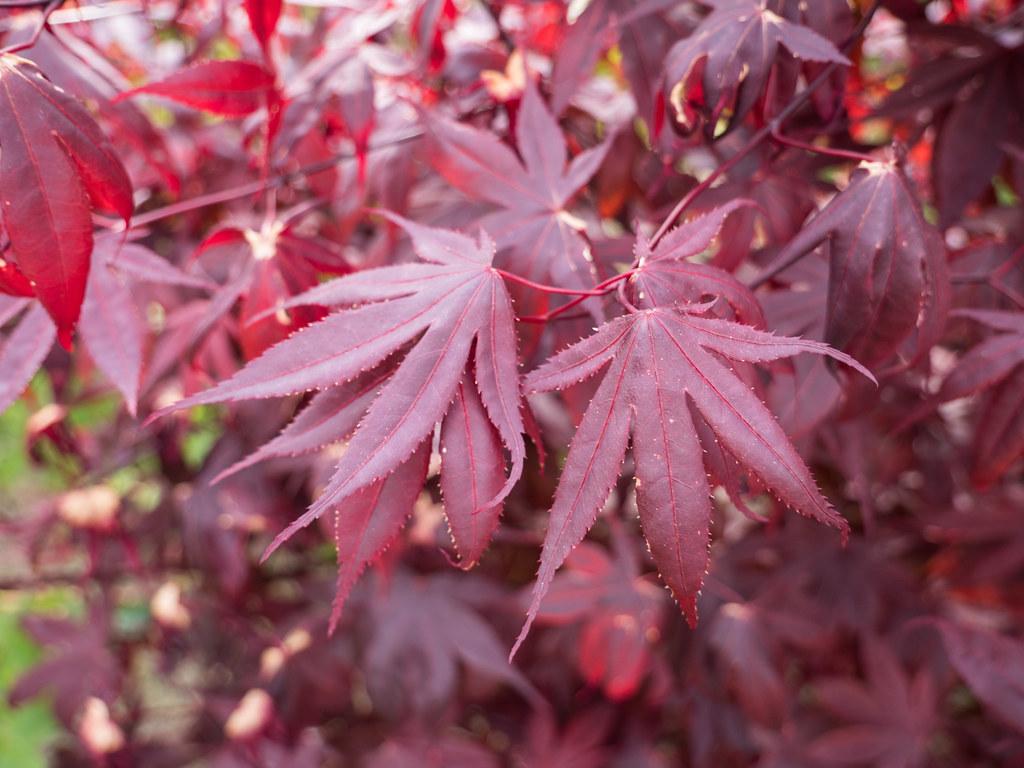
(49, 7)
(840, 154)
(601, 289)
(549, 288)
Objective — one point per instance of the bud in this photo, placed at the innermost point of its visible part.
(167, 608)
(98, 732)
(94, 508)
(251, 716)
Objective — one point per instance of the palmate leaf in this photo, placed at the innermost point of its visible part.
(532, 193)
(454, 315)
(663, 372)
(55, 165)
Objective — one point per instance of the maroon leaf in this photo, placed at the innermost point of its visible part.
(112, 329)
(545, 240)
(453, 304)
(995, 365)
(664, 277)
(886, 264)
(890, 716)
(656, 360)
(364, 524)
(729, 57)
(472, 472)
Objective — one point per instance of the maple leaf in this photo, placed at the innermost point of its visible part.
(228, 88)
(992, 665)
(722, 68)
(80, 664)
(582, 743)
(972, 79)
(995, 365)
(803, 401)
(619, 610)
(887, 272)
(110, 324)
(422, 629)
(55, 163)
(663, 372)
(890, 716)
(545, 240)
(643, 34)
(79, 68)
(455, 305)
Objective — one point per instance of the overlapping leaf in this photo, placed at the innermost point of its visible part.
(455, 307)
(545, 240)
(55, 165)
(664, 374)
(665, 277)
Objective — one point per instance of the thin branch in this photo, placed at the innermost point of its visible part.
(551, 288)
(772, 126)
(255, 187)
(601, 289)
(840, 154)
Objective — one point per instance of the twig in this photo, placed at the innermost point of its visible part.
(841, 154)
(601, 289)
(255, 187)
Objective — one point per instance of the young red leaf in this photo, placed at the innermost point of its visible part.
(13, 282)
(228, 88)
(55, 163)
(729, 58)
(263, 17)
(658, 360)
